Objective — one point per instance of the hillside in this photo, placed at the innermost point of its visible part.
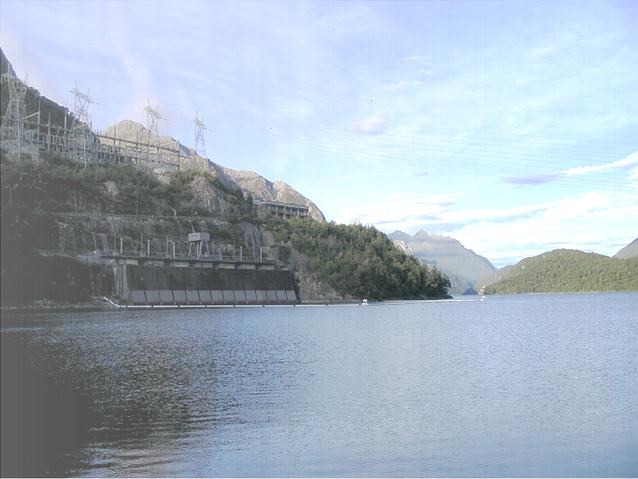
(629, 251)
(59, 217)
(565, 270)
(466, 270)
(249, 182)
(360, 261)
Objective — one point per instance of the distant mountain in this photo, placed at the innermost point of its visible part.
(248, 181)
(467, 270)
(565, 270)
(629, 251)
(399, 236)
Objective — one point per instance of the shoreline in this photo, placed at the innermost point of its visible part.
(106, 305)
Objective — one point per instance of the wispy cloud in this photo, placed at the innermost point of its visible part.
(541, 51)
(420, 59)
(402, 85)
(401, 211)
(630, 160)
(539, 179)
(542, 178)
(583, 222)
(375, 125)
(507, 235)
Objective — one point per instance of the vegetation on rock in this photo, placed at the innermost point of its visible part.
(360, 261)
(568, 271)
(58, 184)
(356, 261)
(32, 189)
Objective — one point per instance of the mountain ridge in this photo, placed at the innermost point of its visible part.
(249, 182)
(566, 270)
(628, 251)
(467, 270)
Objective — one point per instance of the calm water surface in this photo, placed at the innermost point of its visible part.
(531, 385)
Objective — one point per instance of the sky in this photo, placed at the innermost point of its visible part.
(510, 126)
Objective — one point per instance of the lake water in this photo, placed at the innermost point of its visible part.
(529, 385)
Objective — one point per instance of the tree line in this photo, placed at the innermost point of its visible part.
(360, 261)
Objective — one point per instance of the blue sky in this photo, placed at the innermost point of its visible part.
(511, 126)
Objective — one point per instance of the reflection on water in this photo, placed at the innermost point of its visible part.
(527, 385)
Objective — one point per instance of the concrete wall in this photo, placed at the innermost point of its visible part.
(162, 285)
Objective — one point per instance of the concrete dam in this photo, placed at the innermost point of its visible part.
(144, 285)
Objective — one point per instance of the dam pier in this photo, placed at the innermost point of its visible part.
(168, 281)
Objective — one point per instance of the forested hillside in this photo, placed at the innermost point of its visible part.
(568, 271)
(360, 261)
(30, 190)
(355, 261)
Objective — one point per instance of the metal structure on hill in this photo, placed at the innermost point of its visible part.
(153, 118)
(13, 129)
(80, 141)
(200, 144)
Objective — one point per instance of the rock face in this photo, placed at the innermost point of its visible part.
(261, 188)
(467, 270)
(249, 182)
(403, 246)
(5, 65)
(629, 251)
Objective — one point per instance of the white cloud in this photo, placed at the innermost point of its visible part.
(593, 221)
(400, 211)
(541, 51)
(375, 125)
(583, 170)
(401, 85)
(542, 178)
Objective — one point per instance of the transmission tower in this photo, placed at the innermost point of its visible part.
(153, 118)
(12, 129)
(200, 144)
(80, 140)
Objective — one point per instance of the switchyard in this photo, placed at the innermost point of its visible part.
(36, 132)
(192, 270)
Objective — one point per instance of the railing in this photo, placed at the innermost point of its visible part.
(71, 214)
(215, 258)
(161, 255)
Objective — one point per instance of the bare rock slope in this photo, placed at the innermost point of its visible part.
(629, 251)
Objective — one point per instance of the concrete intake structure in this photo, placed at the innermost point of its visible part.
(166, 285)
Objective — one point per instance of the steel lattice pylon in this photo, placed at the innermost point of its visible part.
(200, 144)
(153, 118)
(13, 127)
(80, 137)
